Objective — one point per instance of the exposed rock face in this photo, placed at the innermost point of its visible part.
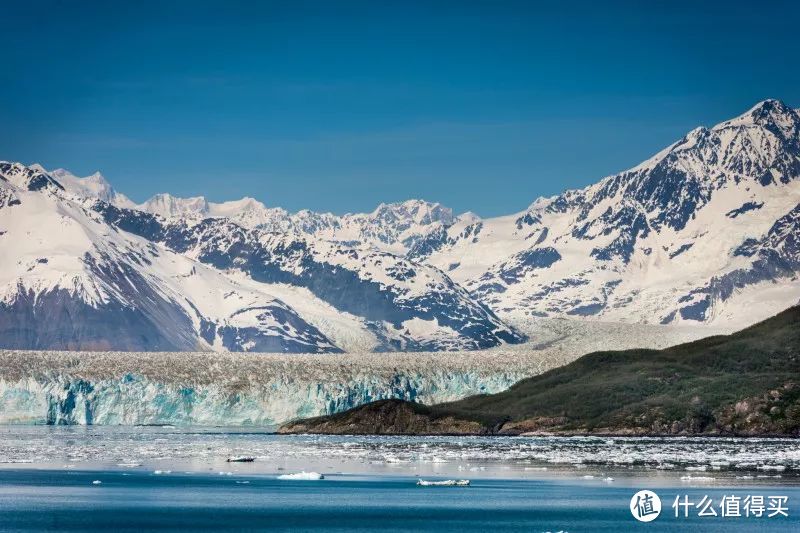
(775, 412)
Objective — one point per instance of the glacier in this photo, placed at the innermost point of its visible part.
(264, 390)
(136, 399)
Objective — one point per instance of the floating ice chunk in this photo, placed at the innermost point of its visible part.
(303, 476)
(241, 459)
(445, 483)
(243, 482)
(97, 482)
(776, 468)
(159, 472)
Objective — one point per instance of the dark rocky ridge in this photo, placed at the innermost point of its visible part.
(387, 417)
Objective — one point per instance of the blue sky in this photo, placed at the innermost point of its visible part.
(338, 106)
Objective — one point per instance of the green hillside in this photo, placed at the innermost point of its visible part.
(744, 383)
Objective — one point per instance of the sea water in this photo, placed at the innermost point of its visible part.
(69, 479)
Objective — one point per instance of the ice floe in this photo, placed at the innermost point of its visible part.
(444, 483)
(302, 476)
(241, 459)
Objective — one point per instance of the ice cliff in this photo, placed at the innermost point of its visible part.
(195, 390)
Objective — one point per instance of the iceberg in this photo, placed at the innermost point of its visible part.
(302, 476)
(444, 483)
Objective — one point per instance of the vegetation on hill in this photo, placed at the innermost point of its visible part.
(747, 383)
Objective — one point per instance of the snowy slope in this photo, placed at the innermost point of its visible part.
(68, 280)
(406, 305)
(72, 279)
(92, 186)
(657, 243)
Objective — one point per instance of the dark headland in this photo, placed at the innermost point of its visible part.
(747, 384)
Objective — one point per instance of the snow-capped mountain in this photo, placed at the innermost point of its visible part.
(92, 186)
(390, 227)
(394, 227)
(704, 232)
(406, 305)
(67, 279)
(81, 273)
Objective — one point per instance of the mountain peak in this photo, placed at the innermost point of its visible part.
(770, 105)
(96, 177)
(166, 205)
(415, 210)
(62, 173)
(770, 111)
(770, 114)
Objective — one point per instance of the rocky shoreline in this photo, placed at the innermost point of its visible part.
(399, 417)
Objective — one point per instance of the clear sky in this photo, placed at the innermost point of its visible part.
(338, 106)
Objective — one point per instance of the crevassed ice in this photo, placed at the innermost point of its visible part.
(135, 400)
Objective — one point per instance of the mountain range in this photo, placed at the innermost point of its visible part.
(707, 231)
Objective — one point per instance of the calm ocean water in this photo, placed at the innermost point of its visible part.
(68, 501)
(100, 479)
